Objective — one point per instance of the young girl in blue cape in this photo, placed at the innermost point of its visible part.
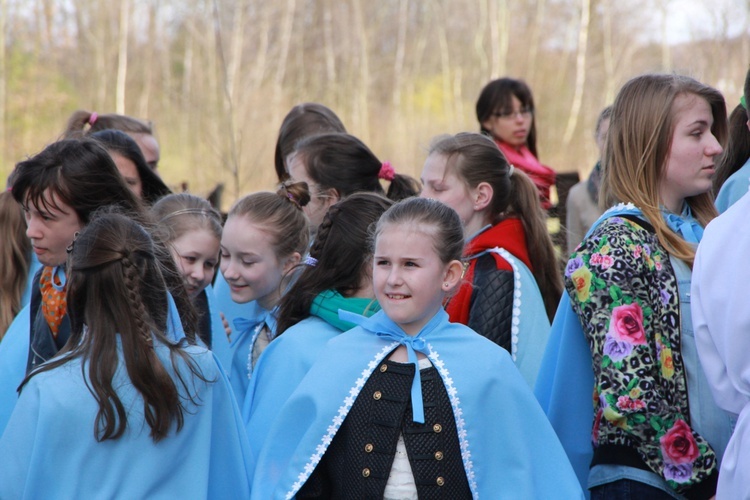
(59, 189)
(512, 282)
(264, 238)
(338, 276)
(655, 428)
(191, 228)
(113, 413)
(407, 403)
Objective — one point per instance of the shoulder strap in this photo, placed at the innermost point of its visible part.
(639, 221)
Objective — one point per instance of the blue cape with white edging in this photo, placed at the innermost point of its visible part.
(508, 448)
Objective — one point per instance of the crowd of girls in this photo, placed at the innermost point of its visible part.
(372, 336)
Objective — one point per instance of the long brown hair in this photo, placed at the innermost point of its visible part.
(116, 291)
(638, 145)
(475, 158)
(15, 259)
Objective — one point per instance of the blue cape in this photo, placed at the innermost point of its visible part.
(508, 448)
(14, 353)
(279, 370)
(49, 450)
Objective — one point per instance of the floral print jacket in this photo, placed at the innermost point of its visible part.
(624, 291)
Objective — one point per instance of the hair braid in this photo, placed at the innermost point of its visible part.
(132, 284)
(323, 230)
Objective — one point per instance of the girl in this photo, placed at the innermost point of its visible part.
(512, 283)
(308, 118)
(505, 112)
(264, 238)
(733, 172)
(338, 277)
(392, 408)
(337, 165)
(302, 120)
(656, 429)
(146, 397)
(191, 228)
(59, 189)
(140, 178)
(82, 123)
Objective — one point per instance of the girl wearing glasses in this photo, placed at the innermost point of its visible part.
(505, 112)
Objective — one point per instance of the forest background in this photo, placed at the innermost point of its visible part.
(217, 76)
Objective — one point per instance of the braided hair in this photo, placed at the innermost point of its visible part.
(341, 251)
(116, 289)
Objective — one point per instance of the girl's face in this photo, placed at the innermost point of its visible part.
(149, 147)
(408, 276)
(197, 255)
(129, 172)
(249, 263)
(442, 184)
(51, 230)
(320, 201)
(690, 162)
(511, 126)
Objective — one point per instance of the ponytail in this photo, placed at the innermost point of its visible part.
(523, 202)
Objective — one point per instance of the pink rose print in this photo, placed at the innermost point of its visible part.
(626, 324)
(678, 445)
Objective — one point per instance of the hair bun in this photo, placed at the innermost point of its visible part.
(296, 192)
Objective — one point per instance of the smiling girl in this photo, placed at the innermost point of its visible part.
(264, 238)
(407, 403)
(191, 228)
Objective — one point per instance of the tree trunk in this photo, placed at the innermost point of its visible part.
(122, 56)
(575, 108)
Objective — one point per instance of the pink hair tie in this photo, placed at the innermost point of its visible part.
(387, 172)
(92, 119)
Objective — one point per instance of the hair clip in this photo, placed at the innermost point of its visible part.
(310, 261)
(92, 119)
(510, 170)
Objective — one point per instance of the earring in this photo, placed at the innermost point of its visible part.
(446, 285)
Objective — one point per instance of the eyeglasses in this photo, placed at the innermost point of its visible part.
(510, 115)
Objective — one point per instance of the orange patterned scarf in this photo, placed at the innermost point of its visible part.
(54, 304)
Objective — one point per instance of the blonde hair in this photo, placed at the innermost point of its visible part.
(638, 145)
(15, 254)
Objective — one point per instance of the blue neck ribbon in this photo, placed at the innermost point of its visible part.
(684, 224)
(263, 316)
(383, 327)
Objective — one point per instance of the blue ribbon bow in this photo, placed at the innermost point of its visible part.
(684, 224)
(412, 345)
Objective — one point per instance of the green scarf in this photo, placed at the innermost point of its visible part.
(327, 304)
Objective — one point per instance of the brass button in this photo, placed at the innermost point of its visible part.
(377, 395)
(383, 368)
(368, 448)
(438, 455)
(366, 473)
(436, 427)
(440, 481)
